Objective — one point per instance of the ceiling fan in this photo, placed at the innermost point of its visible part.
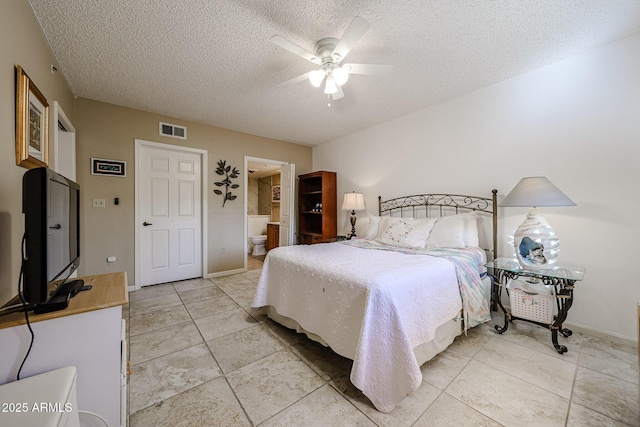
(329, 54)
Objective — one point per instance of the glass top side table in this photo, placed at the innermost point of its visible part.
(561, 277)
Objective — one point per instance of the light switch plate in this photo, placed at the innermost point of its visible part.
(98, 203)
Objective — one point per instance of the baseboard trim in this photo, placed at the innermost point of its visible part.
(225, 273)
(619, 339)
(586, 330)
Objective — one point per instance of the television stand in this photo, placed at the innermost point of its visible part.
(59, 299)
(89, 334)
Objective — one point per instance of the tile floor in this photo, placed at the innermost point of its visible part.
(201, 357)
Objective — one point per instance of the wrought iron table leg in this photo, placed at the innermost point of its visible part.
(566, 293)
(566, 332)
(498, 299)
(554, 338)
(503, 329)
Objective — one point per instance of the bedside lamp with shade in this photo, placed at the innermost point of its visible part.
(535, 241)
(353, 202)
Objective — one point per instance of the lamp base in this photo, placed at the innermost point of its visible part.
(536, 242)
(353, 224)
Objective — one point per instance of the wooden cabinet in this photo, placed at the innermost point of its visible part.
(317, 207)
(273, 236)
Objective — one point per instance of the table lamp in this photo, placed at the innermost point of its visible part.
(535, 241)
(353, 202)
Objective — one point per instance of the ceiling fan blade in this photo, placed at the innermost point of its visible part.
(295, 80)
(339, 94)
(354, 33)
(294, 48)
(370, 69)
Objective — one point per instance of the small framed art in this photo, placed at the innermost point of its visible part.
(108, 167)
(275, 193)
(32, 123)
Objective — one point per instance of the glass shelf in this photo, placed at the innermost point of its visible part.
(559, 271)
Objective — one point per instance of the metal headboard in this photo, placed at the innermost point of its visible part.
(443, 205)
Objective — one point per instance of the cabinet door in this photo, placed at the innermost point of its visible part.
(287, 208)
(272, 236)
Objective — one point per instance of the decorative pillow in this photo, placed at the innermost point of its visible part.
(448, 232)
(404, 232)
(372, 231)
(470, 235)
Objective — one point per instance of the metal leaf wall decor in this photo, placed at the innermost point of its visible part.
(229, 174)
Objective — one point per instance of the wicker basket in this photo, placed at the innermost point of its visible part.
(536, 307)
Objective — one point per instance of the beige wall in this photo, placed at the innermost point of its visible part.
(108, 131)
(21, 43)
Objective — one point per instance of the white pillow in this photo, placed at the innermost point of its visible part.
(372, 231)
(470, 235)
(448, 232)
(404, 232)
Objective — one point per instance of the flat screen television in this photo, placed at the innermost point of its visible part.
(51, 207)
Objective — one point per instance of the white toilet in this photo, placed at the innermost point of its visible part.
(258, 245)
(257, 234)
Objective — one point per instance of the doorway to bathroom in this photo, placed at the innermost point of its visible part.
(268, 213)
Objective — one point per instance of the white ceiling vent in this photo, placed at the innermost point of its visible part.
(173, 131)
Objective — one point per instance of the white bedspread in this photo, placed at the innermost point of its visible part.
(371, 306)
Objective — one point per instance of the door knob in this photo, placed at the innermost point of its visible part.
(146, 223)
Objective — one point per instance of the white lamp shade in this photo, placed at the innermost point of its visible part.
(330, 87)
(316, 77)
(536, 192)
(341, 75)
(353, 202)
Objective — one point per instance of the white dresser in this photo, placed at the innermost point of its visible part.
(89, 335)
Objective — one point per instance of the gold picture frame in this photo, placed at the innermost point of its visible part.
(32, 123)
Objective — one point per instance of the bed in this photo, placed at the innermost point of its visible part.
(396, 297)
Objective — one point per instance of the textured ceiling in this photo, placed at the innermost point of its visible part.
(210, 61)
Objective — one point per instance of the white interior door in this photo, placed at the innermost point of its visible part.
(66, 163)
(169, 212)
(287, 205)
(64, 144)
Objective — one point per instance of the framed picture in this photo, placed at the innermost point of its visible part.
(108, 167)
(32, 123)
(275, 193)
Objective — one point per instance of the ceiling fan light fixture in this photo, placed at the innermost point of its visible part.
(330, 87)
(341, 74)
(328, 54)
(316, 77)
